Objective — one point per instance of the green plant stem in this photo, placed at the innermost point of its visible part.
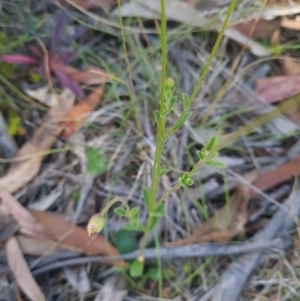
(214, 50)
(160, 141)
(171, 131)
(112, 202)
(168, 193)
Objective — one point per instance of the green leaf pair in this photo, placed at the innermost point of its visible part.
(186, 180)
(207, 151)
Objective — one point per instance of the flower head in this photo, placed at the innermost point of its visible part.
(96, 224)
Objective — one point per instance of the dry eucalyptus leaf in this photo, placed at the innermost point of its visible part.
(9, 206)
(22, 172)
(77, 115)
(20, 269)
(39, 246)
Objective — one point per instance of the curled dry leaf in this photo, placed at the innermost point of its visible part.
(22, 172)
(76, 116)
(21, 271)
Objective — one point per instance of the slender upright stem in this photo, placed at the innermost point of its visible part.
(161, 124)
(214, 50)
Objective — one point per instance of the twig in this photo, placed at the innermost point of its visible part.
(166, 253)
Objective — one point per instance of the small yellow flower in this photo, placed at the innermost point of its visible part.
(96, 224)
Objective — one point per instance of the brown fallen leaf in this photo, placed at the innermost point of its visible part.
(9, 206)
(277, 88)
(76, 116)
(21, 271)
(40, 246)
(293, 24)
(263, 28)
(53, 230)
(22, 172)
(60, 230)
(228, 221)
(278, 175)
(290, 66)
(91, 76)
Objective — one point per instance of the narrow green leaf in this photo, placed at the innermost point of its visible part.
(211, 143)
(140, 228)
(136, 269)
(146, 196)
(199, 153)
(216, 163)
(134, 223)
(157, 116)
(182, 119)
(120, 211)
(172, 102)
(134, 212)
(157, 215)
(186, 101)
(166, 112)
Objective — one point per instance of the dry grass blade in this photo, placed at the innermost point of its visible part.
(20, 173)
(21, 271)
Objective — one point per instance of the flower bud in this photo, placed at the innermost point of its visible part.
(170, 83)
(96, 224)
